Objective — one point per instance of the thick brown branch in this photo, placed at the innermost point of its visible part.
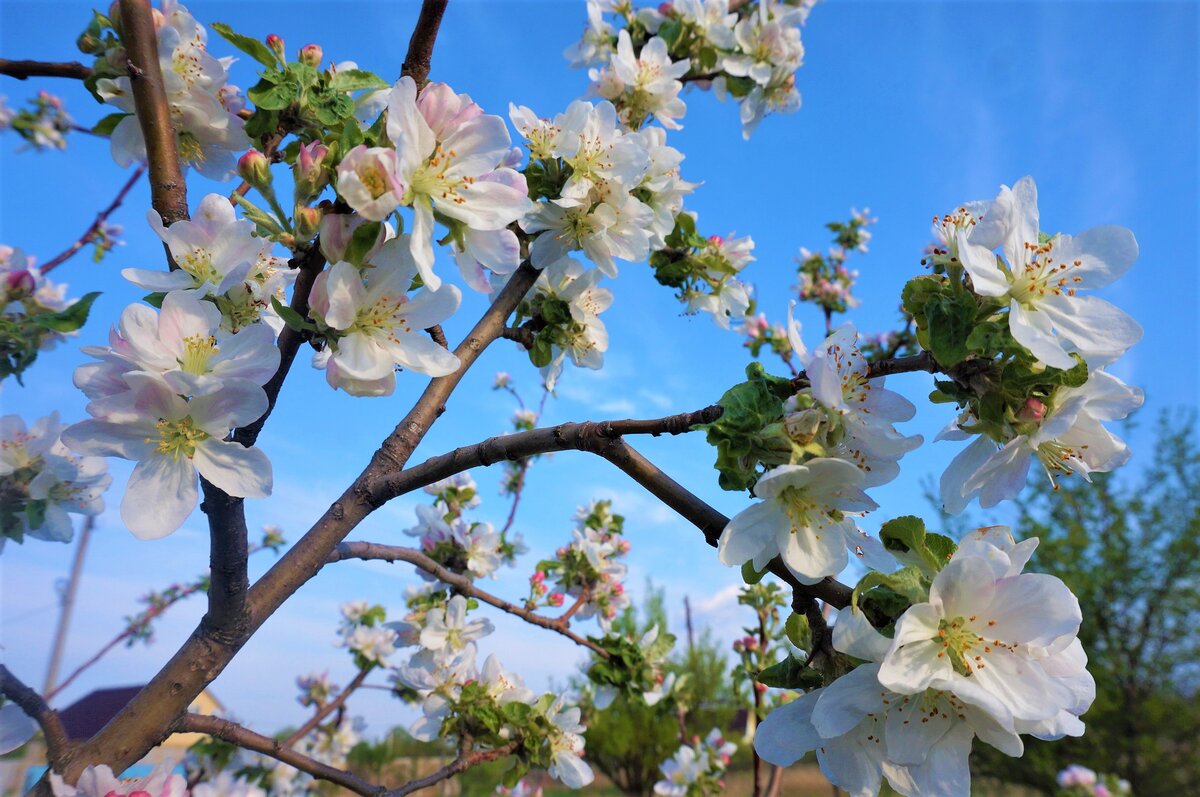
(90, 233)
(461, 764)
(462, 584)
(249, 740)
(327, 709)
(35, 707)
(23, 70)
(167, 189)
(420, 46)
(523, 335)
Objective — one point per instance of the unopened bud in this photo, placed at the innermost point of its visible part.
(276, 45)
(666, 9)
(760, 688)
(337, 229)
(555, 599)
(87, 43)
(1033, 411)
(308, 222)
(311, 174)
(20, 282)
(311, 55)
(255, 168)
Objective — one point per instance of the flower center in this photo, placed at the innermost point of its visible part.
(958, 640)
(1042, 276)
(176, 438)
(803, 511)
(199, 263)
(198, 350)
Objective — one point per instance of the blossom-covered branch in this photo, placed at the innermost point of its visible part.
(461, 584)
(328, 708)
(98, 226)
(249, 740)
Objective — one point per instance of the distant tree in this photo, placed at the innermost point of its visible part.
(1130, 550)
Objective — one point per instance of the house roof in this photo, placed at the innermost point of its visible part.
(87, 715)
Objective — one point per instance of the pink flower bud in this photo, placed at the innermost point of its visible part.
(618, 588)
(311, 55)
(555, 599)
(255, 168)
(538, 577)
(276, 45)
(311, 174)
(1033, 411)
(665, 9)
(760, 688)
(308, 221)
(716, 240)
(20, 282)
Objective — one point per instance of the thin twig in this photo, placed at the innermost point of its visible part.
(327, 709)
(465, 761)
(249, 740)
(96, 225)
(13, 688)
(462, 584)
(23, 70)
(420, 45)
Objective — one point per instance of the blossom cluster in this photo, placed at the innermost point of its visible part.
(474, 549)
(705, 271)
(1064, 339)
(1079, 781)
(641, 58)
(35, 314)
(992, 653)
(42, 125)
(696, 769)
(824, 279)
(566, 303)
(364, 633)
(43, 482)
(589, 568)
(204, 106)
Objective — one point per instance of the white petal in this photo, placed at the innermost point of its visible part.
(787, 733)
(160, 495)
(239, 471)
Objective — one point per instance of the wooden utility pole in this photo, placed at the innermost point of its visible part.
(68, 605)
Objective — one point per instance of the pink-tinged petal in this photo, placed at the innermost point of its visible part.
(406, 127)
(787, 734)
(238, 471)
(749, 532)
(237, 403)
(184, 314)
(498, 250)
(478, 146)
(250, 354)
(345, 294)
(848, 700)
(139, 326)
(106, 439)
(1034, 329)
(160, 495)
(1104, 255)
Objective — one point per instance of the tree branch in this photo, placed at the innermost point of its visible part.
(57, 744)
(327, 709)
(249, 740)
(167, 188)
(420, 45)
(23, 70)
(462, 584)
(464, 762)
(101, 217)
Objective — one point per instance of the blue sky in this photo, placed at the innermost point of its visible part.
(909, 108)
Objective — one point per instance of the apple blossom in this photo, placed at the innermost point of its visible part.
(566, 745)
(368, 179)
(1039, 280)
(172, 440)
(226, 785)
(800, 517)
(372, 324)
(99, 781)
(643, 84)
(1069, 437)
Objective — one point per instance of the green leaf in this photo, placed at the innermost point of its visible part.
(291, 317)
(108, 124)
(669, 31)
(798, 631)
(333, 108)
(362, 241)
(35, 513)
(791, 673)
(908, 583)
(950, 320)
(154, 299)
(271, 96)
(252, 47)
(352, 136)
(748, 408)
(357, 80)
(906, 539)
(70, 319)
(750, 575)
